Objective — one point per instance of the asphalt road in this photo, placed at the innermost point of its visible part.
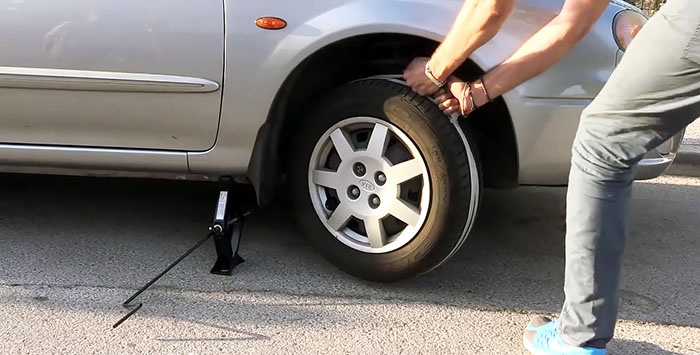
(72, 250)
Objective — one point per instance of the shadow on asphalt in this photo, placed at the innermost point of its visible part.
(238, 334)
(625, 346)
(120, 233)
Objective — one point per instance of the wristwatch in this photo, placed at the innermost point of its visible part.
(431, 76)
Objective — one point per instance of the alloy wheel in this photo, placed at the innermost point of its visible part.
(369, 185)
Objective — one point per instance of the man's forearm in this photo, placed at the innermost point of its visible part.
(476, 23)
(545, 48)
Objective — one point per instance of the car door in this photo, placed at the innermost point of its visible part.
(142, 74)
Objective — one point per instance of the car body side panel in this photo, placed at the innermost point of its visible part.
(546, 109)
(104, 73)
(187, 55)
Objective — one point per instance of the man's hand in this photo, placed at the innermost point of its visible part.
(415, 77)
(453, 98)
(447, 102)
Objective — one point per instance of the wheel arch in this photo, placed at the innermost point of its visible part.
(361, 56)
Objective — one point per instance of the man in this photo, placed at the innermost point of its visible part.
(652, 95)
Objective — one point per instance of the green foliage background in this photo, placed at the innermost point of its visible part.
(649, 6)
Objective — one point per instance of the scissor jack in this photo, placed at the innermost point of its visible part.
(227, 230)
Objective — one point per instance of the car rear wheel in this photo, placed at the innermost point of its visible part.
(383, 184)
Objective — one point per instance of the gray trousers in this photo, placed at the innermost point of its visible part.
(652, 95)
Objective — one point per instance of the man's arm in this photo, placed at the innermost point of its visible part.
(537, 54)
(476, 23)
(547, 46)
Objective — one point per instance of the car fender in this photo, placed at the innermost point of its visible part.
(258, 62)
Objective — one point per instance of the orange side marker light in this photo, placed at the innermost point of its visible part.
(271, 23)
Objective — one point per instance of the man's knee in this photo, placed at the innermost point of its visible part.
(601, 151)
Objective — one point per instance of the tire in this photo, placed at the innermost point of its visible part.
(443, 198)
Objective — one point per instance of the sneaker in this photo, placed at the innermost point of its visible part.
(541, 337)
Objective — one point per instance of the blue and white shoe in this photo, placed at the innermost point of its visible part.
(541, 337)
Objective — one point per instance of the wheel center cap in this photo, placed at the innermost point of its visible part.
(367, 185)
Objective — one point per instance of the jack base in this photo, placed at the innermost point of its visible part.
(227, 243)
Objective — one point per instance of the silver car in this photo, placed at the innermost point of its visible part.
(301, 98)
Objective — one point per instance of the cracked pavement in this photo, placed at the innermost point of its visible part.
(73, 249)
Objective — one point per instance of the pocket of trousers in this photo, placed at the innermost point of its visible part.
(692, 50)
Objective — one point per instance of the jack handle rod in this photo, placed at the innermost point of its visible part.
(127, 304)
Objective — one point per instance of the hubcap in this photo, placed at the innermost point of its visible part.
(369, 185)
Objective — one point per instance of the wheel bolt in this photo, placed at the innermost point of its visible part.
(359, 169)
(381, 179)
(374, 201)
(354, 192)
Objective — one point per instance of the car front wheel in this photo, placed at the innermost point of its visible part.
(384, 186)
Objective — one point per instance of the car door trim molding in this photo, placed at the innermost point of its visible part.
(88, 80)
(91, 159)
